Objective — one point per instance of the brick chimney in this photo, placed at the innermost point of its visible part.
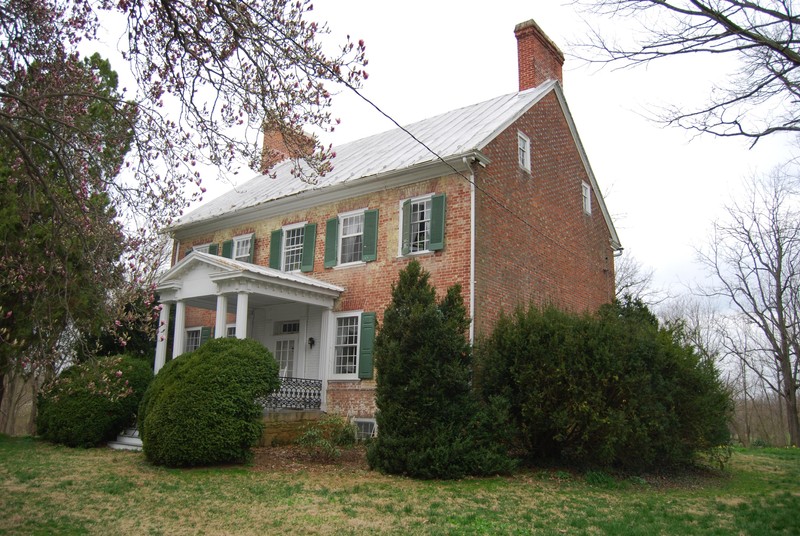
(539, 58)
(281, 144)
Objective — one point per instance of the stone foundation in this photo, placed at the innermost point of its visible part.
(284, 427)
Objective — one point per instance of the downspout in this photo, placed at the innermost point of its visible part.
(471, 250)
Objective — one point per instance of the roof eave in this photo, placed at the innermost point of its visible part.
(433, 168)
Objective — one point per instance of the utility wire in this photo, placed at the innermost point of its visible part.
(363, 97)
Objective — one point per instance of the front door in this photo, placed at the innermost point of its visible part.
(285, 351)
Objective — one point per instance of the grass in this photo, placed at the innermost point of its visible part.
(45, 489)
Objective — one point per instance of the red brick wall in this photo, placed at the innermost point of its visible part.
(368, 286)
(558, 255)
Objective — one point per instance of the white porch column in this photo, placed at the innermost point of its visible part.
(327, 338)
(161, 337)
(220, 329)
(241, 315)
(180, 326)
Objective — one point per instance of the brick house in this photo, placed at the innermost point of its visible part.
(508, 207)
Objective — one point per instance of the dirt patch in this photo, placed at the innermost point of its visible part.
(293, 459)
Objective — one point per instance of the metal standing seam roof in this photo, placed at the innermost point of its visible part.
(448, 134)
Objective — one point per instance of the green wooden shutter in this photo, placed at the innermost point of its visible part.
(331, 242)
(366, 344)
(437, 223)
(205, 334)
(370, 241)
(405, 247)
(252, 247)
(309, 243)
(275, 249)
(227, 249)
(212, 249)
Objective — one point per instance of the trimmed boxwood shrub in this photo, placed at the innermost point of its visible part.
(430, 424)
(91, 402)
(201, 408)
(614, 389)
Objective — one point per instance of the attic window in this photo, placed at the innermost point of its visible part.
(524, 151)
(586, 198)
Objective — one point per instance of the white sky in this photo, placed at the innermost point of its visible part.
(662, 188)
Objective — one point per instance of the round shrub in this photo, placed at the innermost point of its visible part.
(201, 408)
(90, 403)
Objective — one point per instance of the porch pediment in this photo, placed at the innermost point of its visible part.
(199, 277)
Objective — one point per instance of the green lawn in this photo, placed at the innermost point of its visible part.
(46, 489)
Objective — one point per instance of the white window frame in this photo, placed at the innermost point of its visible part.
(228, 333)
(248, 238)
(359, 435)
(336, 317)
(285, 229)
(340, 238)
(186, 347)
(428, 199)
(202, 248)
(524, 151)
(586, 198)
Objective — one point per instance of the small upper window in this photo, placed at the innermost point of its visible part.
(202, 249)
(586, 195)
(352, 238)
(422, 224)
(241, 248)
(524, 151)
(293, 248)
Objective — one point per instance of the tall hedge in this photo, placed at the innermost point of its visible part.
(430, 424)
(201, 409)
(91, 402)
(613, 389)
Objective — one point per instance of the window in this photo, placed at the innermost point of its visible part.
(201, 249)
(422, 224)
(193, 336)
(292, 248)
(239, 248)
(351, 238)
(524, 151)
(365, 429)
(353, 342)
(346, 356)
(287, 328)
(586, 195)
(230, 331)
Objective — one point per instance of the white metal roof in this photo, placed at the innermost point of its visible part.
(450, 134)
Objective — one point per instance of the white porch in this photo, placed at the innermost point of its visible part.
(291, 314)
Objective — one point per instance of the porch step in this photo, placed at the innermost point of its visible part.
(127, 440)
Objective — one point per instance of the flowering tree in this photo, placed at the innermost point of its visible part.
(88, 177)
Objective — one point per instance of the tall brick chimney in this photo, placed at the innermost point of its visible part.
(538, 57)
(280, 144)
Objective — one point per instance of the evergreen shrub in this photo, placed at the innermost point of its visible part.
(202, 407)
(91, 402)
(430, 424)
(614, 389)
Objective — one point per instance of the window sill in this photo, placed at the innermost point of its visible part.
(349, 265)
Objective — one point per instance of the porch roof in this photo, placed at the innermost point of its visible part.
(200, 277)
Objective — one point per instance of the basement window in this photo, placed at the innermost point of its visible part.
(365, 429)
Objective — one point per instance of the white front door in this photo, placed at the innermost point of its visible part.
(285, 352)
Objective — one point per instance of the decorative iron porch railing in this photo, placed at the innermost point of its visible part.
(295, 393)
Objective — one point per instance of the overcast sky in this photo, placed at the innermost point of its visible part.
(662, 187)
